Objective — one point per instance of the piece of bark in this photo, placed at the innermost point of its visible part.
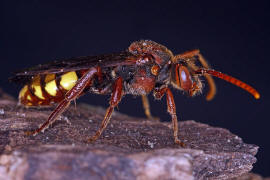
(130, 148)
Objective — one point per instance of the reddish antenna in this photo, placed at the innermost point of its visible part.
(230, 79)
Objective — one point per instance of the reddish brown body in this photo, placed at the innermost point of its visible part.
(144, 68)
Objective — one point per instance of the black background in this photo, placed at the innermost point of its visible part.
(233, 37)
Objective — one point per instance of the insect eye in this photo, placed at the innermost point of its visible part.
(183, 77)
(155, 70)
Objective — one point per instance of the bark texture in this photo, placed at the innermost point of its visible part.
(130, 148)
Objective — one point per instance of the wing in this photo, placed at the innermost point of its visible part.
(74, 64)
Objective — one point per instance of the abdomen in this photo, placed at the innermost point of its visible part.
(44, 90)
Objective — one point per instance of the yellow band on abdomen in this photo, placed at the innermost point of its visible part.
(51, 88)
(68, 80)
(23, 91)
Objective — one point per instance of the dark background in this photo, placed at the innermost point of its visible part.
(233, 37)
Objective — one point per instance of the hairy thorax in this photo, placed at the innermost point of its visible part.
(143, 82)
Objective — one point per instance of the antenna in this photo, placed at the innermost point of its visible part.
(231, 80)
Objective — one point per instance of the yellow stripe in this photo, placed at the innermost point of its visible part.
(68, 80)
(38, 92)
(23, 91)
(29, 98)
(37, 88)
(51, 88)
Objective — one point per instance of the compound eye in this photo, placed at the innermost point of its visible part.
(185, 81)
(155, 70)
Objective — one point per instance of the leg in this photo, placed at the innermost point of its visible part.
(63, 105)
(190, 54)
(146, 107)
(115, 99)
(171, 110)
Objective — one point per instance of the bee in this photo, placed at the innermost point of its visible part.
(144, 67)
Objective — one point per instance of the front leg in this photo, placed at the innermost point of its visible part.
(115, 99)
(159, 93)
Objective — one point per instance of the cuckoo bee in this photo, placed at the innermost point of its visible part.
(144, 67)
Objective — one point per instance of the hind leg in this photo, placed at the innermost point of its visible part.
(146, 107)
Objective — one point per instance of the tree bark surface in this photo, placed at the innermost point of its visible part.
(130, 148)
